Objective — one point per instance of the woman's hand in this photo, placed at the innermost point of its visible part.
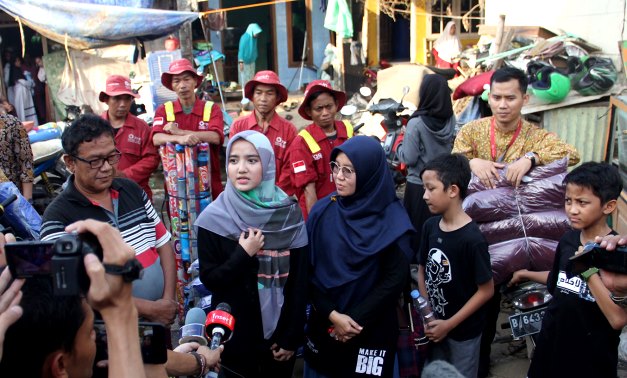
(345, 328)
(281, 354)
(253, 242)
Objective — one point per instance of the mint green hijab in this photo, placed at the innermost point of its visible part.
(265, 207)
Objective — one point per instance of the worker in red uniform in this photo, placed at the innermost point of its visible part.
(266, 93)
(188, 120)
(309, 154)
(132, 135)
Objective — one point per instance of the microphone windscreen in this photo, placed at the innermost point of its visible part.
(440, 369)
(194, 328)
(224, 307)
(195, 316)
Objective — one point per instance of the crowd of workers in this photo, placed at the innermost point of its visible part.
(310, 218)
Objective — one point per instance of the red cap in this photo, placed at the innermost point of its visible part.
(177, 67)
(318, 86)
(117, 85)
(267, 78)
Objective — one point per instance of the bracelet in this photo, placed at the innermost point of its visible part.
(200, 360)
(203, 365)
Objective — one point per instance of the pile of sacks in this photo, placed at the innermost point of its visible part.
(522, 225)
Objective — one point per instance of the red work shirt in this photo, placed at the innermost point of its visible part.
(308, 167)
(139, 156)
(281, 133)
(194, 122)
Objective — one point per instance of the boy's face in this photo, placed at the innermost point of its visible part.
(584, 208)
(438, 199)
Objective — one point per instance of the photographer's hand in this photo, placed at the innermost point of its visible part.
(111, 296)
(10, 311)
(610, 242)
(108, 293)
(616, 283)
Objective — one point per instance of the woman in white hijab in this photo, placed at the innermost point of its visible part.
(447, 46)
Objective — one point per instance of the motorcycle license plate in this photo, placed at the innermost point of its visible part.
(526, 323)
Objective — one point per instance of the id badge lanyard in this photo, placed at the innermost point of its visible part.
(493, 141)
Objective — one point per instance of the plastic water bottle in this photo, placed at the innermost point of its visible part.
(424, 308)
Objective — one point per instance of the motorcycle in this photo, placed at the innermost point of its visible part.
(48, 167)
(389, 130)
(529, 301)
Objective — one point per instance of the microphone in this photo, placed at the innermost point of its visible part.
(219, 325)
(194, 329)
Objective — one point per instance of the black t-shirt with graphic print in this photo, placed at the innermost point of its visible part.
(576, 339)
(455, 263)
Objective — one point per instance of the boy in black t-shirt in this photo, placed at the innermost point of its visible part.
(581, 327)
(454, 270)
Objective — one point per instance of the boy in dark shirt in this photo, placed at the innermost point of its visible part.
(454, 270)
(581, 327)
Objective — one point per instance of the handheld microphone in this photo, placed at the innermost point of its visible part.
(194, 329)
(219, 325)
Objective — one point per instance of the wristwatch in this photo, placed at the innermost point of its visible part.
(532, 157)
(589, 273)
(130, 271)
(621, 301)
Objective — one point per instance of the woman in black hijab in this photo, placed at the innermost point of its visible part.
(359, 245)
(430, 132)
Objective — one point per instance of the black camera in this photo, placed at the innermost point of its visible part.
(595, 256)
(61, 260)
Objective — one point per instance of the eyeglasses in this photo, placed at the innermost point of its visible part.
(347, 172)
(99, 162)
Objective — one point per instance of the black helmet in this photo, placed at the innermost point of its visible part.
(591, 75)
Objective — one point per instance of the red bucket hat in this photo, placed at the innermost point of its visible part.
(117, 85)
(267, 78)
(178, 67)
(318, 86)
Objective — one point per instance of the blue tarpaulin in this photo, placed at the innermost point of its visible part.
(82, 25)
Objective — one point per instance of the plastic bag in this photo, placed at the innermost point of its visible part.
(523, 253)
(20, 215)
(522, 225)
(550, 224)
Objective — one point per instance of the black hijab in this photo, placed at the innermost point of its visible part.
(435, 105)
(347, 233)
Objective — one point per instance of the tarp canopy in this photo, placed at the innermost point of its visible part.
(83, 26)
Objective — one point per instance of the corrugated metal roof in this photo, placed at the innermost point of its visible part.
(585, 127)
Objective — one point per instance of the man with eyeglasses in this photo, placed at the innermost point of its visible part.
(94, 192)
(132, 135)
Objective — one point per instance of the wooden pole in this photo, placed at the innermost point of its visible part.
(185, 33)
(499, 39)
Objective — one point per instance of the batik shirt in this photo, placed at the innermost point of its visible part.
(16, 156)
(473, 141)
